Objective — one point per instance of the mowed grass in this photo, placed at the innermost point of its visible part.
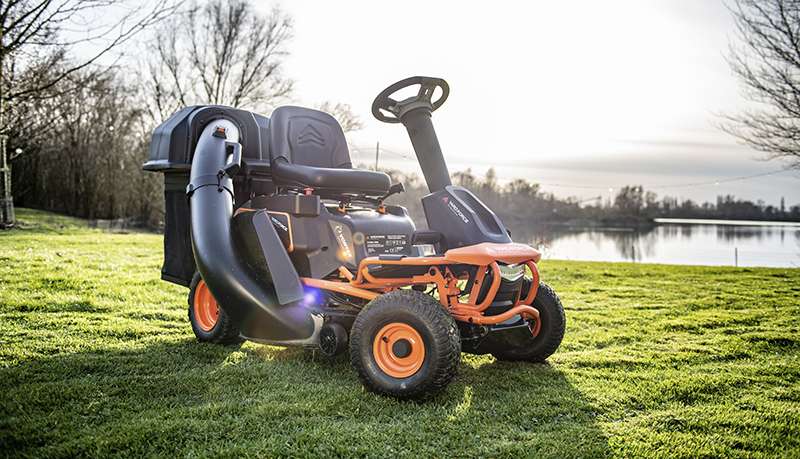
(97, 359)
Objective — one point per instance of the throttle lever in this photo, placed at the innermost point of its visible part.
(394, 189)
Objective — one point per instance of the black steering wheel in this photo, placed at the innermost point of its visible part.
(384, 104)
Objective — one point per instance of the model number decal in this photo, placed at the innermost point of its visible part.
(386, 243)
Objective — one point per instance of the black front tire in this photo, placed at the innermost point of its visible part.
(553, 324)
(436, 328)
(225, 331)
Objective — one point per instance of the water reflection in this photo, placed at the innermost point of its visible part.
(776, 246)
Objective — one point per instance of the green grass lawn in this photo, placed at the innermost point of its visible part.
(97, 358)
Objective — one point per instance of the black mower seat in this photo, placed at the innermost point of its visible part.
(308, 150)
(331, 180)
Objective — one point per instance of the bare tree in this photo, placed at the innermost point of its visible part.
(35, 39)
(343, 114)
(89, 162)
(222, 52)
(767, 63)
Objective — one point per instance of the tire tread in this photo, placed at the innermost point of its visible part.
(445, 333)
(553, 337)
(225, 332)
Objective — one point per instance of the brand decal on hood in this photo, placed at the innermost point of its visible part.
(344, 239)
(456, 211)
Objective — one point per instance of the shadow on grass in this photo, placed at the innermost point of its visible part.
(175, 397)
(541, 412)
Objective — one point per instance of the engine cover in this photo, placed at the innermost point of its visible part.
(319, 244)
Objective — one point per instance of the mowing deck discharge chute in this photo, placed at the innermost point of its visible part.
(262, 312)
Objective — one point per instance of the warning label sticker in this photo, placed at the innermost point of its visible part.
(386, 243)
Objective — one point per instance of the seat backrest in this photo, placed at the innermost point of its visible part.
(307, 137)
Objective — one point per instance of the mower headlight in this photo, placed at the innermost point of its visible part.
(512, 273)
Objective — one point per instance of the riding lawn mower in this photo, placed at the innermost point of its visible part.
(282, 242)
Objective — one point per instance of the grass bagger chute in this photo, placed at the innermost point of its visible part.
(282, 242)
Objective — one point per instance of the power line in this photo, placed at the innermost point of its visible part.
(724, 180)
(383, 149)
(595, 187)
(404, 155)
(677, 185)
(564, 185)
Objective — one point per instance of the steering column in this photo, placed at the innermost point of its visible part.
(415, 114)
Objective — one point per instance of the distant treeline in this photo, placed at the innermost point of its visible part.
(80, 152)
(84, 155)
(521, 202)
(89, 165)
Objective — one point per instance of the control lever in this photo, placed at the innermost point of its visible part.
(232, 168)
(394, 189)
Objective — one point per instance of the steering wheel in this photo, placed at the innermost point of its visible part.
(396, 109)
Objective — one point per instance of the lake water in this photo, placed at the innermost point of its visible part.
(683, 242)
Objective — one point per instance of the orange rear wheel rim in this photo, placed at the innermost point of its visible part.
(206, 309)
(399, 350)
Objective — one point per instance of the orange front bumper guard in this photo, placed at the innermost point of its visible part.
(523, 310)
(474, 313)
(485, 256)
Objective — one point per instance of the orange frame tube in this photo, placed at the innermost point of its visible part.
(484, 256)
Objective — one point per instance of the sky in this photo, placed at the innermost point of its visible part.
(582, 97)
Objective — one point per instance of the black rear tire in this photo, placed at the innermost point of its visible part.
(225, 330)
(553, 324)
(439, 334)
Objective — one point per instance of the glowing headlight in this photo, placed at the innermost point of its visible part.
(512, 273)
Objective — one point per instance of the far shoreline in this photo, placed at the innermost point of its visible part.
(614, 224)
(709, 221)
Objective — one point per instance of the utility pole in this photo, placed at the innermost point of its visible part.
(6, 200)
(377, 153)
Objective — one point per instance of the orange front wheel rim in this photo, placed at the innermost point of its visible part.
(206, 309)
(399, 350)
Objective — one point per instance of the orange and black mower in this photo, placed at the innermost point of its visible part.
(281, 241)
